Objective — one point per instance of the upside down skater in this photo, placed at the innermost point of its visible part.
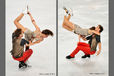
(70, 26)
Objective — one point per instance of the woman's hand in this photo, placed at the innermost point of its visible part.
(30, 16)
(79, 38)
(28, 13)
(33, 20)
(93, 31)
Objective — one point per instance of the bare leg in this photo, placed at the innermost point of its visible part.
(69, 16)
(66, 27)
(67, 24)
(17, 24)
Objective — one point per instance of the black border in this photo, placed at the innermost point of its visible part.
(111, 38)
(56, 37)
(2, 37)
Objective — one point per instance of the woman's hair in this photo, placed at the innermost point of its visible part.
(17, 32)
(101, 28)
(47, 32)
(92, 28)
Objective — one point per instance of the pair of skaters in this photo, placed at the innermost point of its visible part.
(18, 43)
(31, 38)
(92, 35)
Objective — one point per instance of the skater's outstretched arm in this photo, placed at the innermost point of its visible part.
(98, 52)
(38, 41)
(34, 23)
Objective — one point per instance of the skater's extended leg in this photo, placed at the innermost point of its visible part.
(66, 27)
(25, 56)
(68, 24)
(17, 24)
(29, 54)
(68, 17)
(68, 12)
(74, 52)
(85, 49)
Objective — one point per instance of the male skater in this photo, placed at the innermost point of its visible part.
(90, 48)
(18, 48)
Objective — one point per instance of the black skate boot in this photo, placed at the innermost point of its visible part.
(69, 57)
(85, 56)
(22, 64)
(27, 63)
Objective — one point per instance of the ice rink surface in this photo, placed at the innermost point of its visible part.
(87, 13)
(43, 59)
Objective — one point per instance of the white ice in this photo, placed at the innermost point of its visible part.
(87, 13)
(43, 59)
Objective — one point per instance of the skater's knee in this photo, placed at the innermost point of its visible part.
(15, 21)
(64, 17)
(31, 51)
(63, 24)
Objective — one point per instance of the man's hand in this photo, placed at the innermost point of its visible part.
(27, 44)
(98, 52)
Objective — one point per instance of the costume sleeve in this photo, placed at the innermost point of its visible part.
(89, 37)
(13, 35)
(98, 38)
(23, 42)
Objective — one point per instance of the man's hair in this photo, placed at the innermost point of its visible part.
(92, 28)
(101, 28)
(17, 32)
(47, 32)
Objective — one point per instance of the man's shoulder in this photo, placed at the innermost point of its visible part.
(23, 40)
(97, 35)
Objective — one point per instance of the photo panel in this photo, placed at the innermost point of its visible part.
(37, 21)
(75, 55)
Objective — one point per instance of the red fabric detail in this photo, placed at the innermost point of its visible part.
(83, 47)
(25, 56)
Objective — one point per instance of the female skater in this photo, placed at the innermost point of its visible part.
(36, 35)
(76, 28)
